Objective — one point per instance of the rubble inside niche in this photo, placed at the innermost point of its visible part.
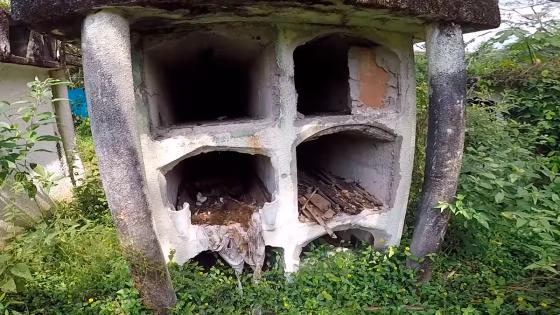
(225, 204)
(223, 200)
(322, 196)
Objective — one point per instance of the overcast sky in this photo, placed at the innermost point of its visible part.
(513, 11)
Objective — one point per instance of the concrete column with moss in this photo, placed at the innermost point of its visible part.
(108, 80)
(446, 135)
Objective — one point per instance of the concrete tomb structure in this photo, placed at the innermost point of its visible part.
(229, 126)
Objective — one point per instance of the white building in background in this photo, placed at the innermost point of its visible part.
(24, 56)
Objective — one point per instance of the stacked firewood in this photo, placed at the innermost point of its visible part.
(323, 195)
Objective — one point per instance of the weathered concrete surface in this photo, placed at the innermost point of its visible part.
(446, 135)
(381, 160)
(63, 17)
(110, 91)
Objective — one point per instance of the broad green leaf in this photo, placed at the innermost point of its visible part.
(326, 295)
(392, 251)
(488, 175)
(48, 138)
(520, 222)
(22, 271)
(499, 197)
(9, 285)
(39, 169)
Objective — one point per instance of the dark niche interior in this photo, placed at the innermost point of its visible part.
(206, 77)
(222, 187)
(321, 75)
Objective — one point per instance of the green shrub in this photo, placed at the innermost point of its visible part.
(90, 201)
(5, 5)
(510, 182)
(19, 176)
(76, 266)
(19, 139)
(84, 142)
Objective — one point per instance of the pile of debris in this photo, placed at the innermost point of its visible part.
(323, 195)
(228, 208)
(223, 201)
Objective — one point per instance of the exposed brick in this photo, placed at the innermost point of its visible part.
(373, 79)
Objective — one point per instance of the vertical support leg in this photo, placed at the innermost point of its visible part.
(107, 64)
(65, 125)
(446, 135)
(292, 255)
(5, 49)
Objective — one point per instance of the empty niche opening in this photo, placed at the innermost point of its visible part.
(274, 258)
(343, 173)
(350, 238)
(322, 75)
(221, 187)
(326, 246)
(206, 77)
(207, 260)
(19, 40)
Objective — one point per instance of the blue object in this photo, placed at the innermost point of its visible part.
(78, 102)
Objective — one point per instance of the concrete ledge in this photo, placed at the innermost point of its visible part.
(64, 17)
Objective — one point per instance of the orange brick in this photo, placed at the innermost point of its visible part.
(373, 80)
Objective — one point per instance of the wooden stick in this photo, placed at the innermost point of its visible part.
(321, 222)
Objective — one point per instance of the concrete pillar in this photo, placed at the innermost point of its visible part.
(5, 49)
(65, 124)
(446, 135)
(107, 64)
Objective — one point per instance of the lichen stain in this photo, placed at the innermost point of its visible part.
(373, 80)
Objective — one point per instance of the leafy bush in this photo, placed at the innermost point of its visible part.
(74, 264)
(507, 187)
(526, 70)
(90, 201)
(19, 138)
(5, 5)
(367, 281)
(84, 143)
(19, 177)
(510, 180)
(89, 197)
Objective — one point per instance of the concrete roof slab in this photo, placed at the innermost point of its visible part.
(64, 17)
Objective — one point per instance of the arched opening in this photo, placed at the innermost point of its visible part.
(322, 75)
(326, 246)
(221, 187)
(206, 77)
(207, 260)
(273, 258)
(350, 238)
(344, 173)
